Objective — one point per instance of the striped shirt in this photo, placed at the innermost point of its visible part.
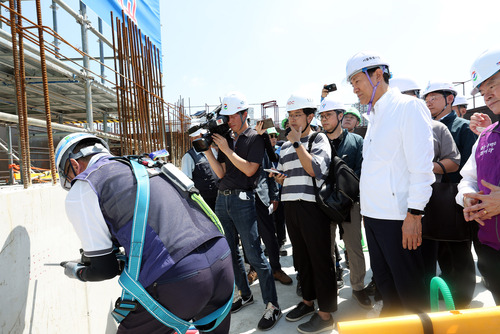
(298, 185)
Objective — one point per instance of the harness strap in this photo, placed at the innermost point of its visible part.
(135, 289)
(126, 303)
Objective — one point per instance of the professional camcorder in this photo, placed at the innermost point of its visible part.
(215, 124)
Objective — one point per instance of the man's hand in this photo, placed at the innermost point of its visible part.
(280, 178)
(73, 269)
(221, 143)
(259, 128)
(275, 205)
(324, 92)
(412, 231)
(294, 135)
(478, 122)
(479, 207)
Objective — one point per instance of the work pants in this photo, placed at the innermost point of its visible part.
(309, 231)
(239, 219)
(398, 272)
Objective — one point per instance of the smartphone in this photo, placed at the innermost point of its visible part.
(331, 87)
(268, 123)
(287, 131)
(269, 170)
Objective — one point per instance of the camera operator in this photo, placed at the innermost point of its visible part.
(237, 167)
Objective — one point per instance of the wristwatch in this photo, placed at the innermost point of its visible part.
(296, 144)
(416, 212)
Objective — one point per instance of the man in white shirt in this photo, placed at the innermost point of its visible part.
(395, 184)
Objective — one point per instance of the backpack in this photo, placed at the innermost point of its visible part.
(340, 190)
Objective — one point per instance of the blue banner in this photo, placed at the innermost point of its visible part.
(144, 13)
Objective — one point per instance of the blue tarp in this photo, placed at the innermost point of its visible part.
(144, 13)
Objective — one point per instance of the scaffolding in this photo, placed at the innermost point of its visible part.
(52, 86)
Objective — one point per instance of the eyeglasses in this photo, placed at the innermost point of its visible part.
(273, 136)
(429, 99)
(295, 115)
(326, 116)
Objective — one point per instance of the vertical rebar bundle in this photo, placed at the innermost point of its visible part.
(46, 92)
(138, 89)
(22, 112)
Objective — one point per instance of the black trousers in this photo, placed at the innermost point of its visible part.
(267, 233)
(458, 270)
(279, 223)
(398, 272)
(309, 232)
(488, 263)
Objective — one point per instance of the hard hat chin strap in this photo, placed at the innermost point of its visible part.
(373, 93)
(336, 126)
(444, 108)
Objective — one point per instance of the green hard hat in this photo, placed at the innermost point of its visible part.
(283, 122)
(272, 130)
(353, 111)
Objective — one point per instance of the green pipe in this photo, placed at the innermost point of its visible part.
(437, 284)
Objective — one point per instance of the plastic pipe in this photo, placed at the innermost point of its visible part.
(481, 320)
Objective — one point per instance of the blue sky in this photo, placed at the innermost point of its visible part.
(269, 49)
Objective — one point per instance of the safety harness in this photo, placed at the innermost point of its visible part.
(133, 291)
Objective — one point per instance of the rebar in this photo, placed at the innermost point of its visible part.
(46, 93)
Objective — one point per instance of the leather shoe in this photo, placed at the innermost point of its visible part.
(362, 298)
(281, 276)
(252, 276)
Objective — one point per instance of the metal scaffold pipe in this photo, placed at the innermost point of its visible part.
(55, 126)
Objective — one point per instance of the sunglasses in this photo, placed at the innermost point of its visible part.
(273, 136)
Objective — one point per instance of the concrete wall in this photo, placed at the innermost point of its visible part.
(37, 298)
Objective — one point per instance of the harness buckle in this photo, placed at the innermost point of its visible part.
(126, 305)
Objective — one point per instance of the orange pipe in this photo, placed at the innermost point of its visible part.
(481, 320)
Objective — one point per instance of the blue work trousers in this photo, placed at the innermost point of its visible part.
(238, 217)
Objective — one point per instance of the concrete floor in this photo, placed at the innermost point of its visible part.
(245, 321)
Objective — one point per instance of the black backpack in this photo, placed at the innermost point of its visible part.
(340, 190)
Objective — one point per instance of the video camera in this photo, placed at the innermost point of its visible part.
(218, 125)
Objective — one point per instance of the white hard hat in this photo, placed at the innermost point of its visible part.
(296, 102)
(404, 84)
(64, 150)
(329, 104)
(363, 61)
(232, 103)
(439, 86)
(460, 100)
(485, 66)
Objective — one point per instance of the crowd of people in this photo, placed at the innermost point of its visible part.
(256, 185)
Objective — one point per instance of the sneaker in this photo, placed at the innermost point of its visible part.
(300, 311)
(252, 276)
(281, 276)
(270, 317)
(362, 298)
(283, 251)
(316, 325)
(240, 302)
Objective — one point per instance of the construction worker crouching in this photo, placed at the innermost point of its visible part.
(184, 265)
